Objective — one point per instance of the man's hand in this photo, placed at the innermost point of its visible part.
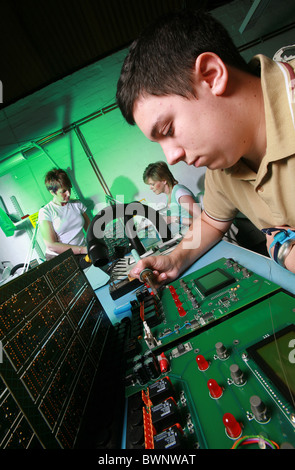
(165, 268)
(202, 235)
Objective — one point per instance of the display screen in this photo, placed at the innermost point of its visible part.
(214, 281)
(275, 357)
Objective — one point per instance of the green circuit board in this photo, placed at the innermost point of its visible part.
(228, 347)
(201, 299)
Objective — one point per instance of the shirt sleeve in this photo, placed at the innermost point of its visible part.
(182, 191)
(44, 214)
(82, 207)
(216, 203)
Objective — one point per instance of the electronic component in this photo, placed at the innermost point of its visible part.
(272, 355)
(160, 390)
(146, 276)
(232, 427)
(168, 439)
(259, 409)
(164, 364)
(150, 339)
(221, 351)
(219, 376)
(215, 390)
(201, 299)
(152, 366)
(227, 361)
(214, 281)
(181, 349)
(164, 414)
(202, 363)
(207, 317)
(237, 374)
(146, 367)
(122, 287)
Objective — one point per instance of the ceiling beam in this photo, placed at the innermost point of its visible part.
(253, 14)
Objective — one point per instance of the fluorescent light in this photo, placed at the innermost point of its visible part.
(8, 163)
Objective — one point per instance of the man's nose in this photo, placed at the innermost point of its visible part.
(173, 153)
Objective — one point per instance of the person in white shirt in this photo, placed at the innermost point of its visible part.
(63, 221)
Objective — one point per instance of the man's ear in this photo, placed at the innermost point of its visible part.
(212, 70)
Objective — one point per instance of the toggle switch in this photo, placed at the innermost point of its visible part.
(221, 350)
(259, 409)
(237, 375)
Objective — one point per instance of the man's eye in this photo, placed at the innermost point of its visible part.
(168, 132)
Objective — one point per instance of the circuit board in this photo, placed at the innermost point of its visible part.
(223, 396)
(199, 300)
(209, 365)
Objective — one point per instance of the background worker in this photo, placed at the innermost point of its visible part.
(181, 204)
(63, 221)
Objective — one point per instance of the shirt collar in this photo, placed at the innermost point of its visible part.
(280, 131)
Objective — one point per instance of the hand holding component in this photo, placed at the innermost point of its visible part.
(164, 269)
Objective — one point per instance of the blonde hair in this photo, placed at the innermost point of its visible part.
(159, 171)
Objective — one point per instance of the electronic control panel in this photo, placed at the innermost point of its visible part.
(208, 365)
(226, 378)
(197, 301)
(53, 331)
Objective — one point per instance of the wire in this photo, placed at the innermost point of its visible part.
(175, 331)
(247, 440)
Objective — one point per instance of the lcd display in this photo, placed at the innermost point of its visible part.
(274, 356)
(214, 281)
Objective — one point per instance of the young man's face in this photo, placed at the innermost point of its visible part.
(202, 131)
(62, 196)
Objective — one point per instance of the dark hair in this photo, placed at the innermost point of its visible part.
(159, 171)
(57, 178)
(161, 61)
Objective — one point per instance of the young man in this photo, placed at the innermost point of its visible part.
(186, 87)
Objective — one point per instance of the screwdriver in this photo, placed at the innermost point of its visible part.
(146, 275)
